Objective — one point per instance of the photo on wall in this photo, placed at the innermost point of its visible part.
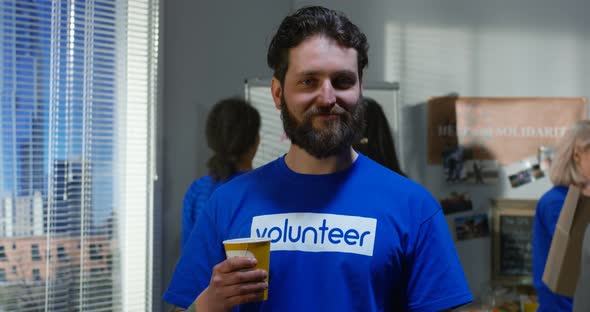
(473, 226)
(527, 174)
(481, 172)
(545, 156)
(460, 167)
(456, 202)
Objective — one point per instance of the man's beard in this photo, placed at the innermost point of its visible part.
(333, 138)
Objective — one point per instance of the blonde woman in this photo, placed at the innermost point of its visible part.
(571, 166)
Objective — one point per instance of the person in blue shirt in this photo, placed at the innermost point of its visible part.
(347, 234)
(232, 133)
(570, 166)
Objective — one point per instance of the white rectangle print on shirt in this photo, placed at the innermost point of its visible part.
(316, 232)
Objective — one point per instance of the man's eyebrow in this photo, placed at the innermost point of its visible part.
(306, 73)
(345, 72)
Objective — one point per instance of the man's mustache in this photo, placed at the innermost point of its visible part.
(334, 110)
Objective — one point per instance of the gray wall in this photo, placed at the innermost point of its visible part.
(209, 48)
(471, 48)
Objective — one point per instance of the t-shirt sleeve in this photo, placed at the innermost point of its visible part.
(436, 280)
(549, 214)
(188, 218)
(202, 252)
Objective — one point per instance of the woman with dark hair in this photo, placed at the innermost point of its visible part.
(377, 141)
(232, 132)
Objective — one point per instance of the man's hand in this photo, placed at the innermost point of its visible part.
(234, 282)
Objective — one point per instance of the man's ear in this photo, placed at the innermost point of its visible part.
(277, 91)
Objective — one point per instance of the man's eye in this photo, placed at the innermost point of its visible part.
(308, 82)
(343, 82)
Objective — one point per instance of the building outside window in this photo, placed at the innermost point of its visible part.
(2, 275)
(2, 253)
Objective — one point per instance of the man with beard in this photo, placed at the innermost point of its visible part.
(347, 234)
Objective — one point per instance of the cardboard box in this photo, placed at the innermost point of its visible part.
(563, 264)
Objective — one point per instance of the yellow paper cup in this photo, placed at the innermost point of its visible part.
(258, 248)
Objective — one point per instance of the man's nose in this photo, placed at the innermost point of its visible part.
(327, 93)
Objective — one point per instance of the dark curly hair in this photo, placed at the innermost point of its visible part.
(310, 21)
(232, 129)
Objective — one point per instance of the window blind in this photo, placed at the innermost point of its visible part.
(77, 128)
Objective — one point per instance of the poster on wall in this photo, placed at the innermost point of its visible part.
(501, 130)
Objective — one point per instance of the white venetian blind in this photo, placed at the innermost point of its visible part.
(77, 105)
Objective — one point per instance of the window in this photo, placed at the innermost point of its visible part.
(96, 271)
(78, 82)
(2, 275)
(35, 255)
(61, 253)
(36, 274)
(2, 253)
(95, 252)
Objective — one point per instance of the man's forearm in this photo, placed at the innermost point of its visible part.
(191, 308)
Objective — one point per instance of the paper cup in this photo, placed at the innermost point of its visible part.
(258, 248)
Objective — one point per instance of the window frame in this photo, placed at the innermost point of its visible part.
(3, 255)
(36, 253)
(36, 274)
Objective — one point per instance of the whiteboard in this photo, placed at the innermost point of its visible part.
(273, 141)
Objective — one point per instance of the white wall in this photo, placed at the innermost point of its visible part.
(209, 48)
(471, 48)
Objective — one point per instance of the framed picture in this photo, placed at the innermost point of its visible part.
(472, 226)
(512, 241)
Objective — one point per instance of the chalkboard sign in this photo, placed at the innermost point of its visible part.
(512, 246)
(516, 234)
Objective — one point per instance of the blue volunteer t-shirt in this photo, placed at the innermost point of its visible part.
(363, 239)
(546, 216)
